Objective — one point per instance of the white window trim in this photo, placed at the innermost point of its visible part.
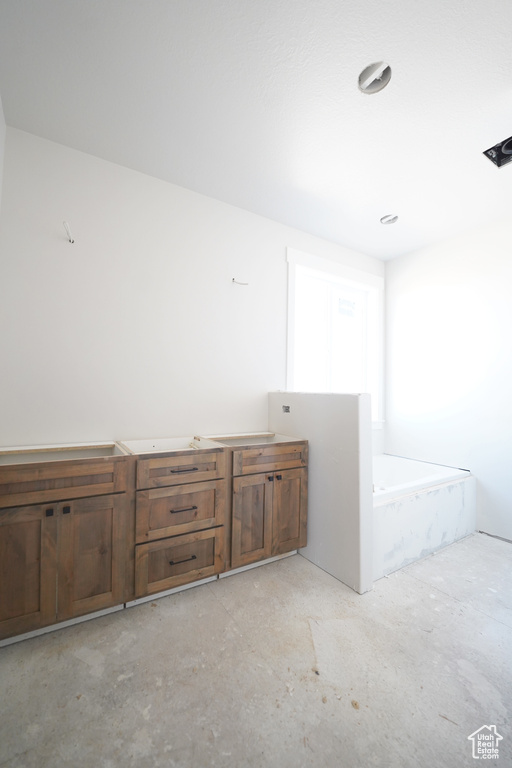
(350, 276)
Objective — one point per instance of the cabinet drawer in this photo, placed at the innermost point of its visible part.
(267, 458)
(181, 509)
(175, 561)
(186, 467)
(37, 483)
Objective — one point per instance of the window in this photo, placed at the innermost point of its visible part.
(334, 329)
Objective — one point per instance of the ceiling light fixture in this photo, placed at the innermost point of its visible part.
(374, 77)
(389, 218)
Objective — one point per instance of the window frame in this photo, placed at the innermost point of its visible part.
(352, 278)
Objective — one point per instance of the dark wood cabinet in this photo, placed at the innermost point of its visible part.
(180, 519)
(60, 560)
(85, 534)
(69, 554)
(269, 511)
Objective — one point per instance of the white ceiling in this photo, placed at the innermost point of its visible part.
(255, 102)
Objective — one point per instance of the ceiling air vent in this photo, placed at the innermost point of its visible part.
(501, 153)
(375, 77)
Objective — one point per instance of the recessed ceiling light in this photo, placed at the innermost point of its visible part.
(374, 77)
(389, 219)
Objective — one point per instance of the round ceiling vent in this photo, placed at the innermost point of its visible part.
(389, 219)
(374, 77)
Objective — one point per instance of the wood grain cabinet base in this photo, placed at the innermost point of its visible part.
(60, 560)
(269, 515)
(180, 528)
(269, 500)
(66, 534)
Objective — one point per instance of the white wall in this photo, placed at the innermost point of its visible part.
(449, 363)
(136, 329)
(340, 499)
(2, 147)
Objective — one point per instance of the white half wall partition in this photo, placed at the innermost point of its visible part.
(340, 501)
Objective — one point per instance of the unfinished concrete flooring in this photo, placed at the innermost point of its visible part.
(277, 666)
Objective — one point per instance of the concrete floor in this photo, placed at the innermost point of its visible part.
(278, 666)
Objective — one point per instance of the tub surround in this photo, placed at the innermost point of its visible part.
(419, 508)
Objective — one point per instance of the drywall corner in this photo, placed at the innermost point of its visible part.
(3, 131)
(365, 494)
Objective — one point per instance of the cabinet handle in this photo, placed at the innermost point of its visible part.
(183, 509)
(279, 477)
(180, 471)
(66, 510)
(186, 560)
(271, 478)
(49, 513)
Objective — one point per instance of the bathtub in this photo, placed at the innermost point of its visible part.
(418, 508)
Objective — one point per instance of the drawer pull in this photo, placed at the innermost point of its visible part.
(271, 478)
(181, 471)
(49, 513)
(186, 560)
(183, 509)
(279, 477)
(66, 510)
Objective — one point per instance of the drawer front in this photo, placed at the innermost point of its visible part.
(181, 509)
(39, 483)
(267, 458)
(175, 561)
(189, 467)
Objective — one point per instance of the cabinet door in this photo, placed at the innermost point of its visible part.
(28, 571)
(289, 521)
(252, 519)
(91, 555)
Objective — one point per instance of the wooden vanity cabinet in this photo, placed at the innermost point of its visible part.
(269, 513)
(180, 519)
(28, 569)
(67, 556)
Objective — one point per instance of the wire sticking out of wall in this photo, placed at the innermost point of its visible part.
(71, 239)
(237, 282)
